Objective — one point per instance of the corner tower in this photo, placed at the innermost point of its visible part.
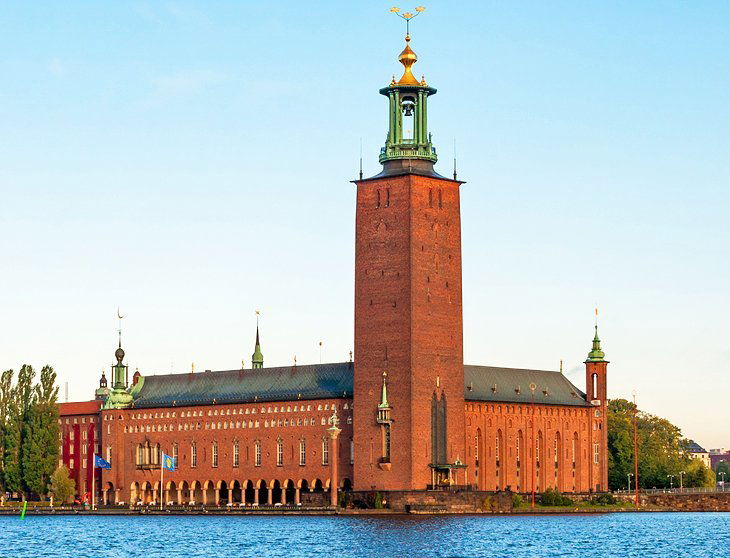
(596, 394)
(408, 310)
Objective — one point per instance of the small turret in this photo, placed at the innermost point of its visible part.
(384, 406)
(257, 359)
(596, 354)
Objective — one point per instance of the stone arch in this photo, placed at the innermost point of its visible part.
(346, 484)
(327, 484)
(303, 485)
(275, 492)
(221, 493)
(183, 493)
(134, 494)
(209, 493)
(196, 493)
(235, 492)
(170, 494)
(289, 495)
(107, 490)
(317, 486)
(249, 492)
(146, 492)
(262, 495)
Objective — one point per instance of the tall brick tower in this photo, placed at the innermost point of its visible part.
(409, 364)
(596, 393)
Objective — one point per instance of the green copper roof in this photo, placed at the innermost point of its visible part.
(596, 354)
(323, 381)
(284, 383)
(512, 385)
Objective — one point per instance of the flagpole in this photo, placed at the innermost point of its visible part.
(93, 481)
(162, 473)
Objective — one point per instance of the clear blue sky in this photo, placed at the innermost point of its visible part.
(190, 162)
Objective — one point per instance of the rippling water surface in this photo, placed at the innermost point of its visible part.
(614, 535)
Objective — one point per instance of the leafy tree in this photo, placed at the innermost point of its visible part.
(661, 450)
(40, 440)
(6, 389)
(723, 467)
(63, 488)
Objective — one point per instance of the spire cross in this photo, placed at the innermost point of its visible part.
(408, 16)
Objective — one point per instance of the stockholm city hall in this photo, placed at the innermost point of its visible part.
(405, 414)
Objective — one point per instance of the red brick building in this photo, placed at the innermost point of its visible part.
(407, 414)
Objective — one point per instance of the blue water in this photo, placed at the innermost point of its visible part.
(614, 535)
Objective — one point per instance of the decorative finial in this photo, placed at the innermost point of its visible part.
(596, 354)
(350, 356)
(407, 57)
(192, 368)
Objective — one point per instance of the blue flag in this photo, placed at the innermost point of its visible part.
(168, 462)
(101, 463)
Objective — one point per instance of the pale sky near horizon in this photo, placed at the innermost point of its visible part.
(190, 162)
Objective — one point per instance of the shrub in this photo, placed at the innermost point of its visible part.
(378, 501)
(62, 487)
(604, 500)
(551, 497)
(516, 501)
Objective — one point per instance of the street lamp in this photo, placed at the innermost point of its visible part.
(629, 475)
(722, 474)
(681, 474)
(671, 481)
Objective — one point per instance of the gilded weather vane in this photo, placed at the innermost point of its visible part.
(408, 16)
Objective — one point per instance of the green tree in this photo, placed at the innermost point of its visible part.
(661, 450)
(723, 467)
(63, 488)
(40, 439)
(6, 390)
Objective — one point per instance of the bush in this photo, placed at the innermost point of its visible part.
(604, 500)
(378, 501)
(62, 487)
(551, 497)
(516, 501)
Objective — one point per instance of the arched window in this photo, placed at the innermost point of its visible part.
(214, 453)
(279, 452)
(236, 456)
(518, 446)
(140, 454)
(257, 453)
(325, 451)
(302, 452)
(594, 381)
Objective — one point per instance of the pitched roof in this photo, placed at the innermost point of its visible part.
(283, 383)
(694, 447)
(322, 381)
(512, 385)
(79, 408)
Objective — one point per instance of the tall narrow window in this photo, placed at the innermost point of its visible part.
(279, 452)
(302, 452)
(537, 450)
(440, 198)
(386, 443)
(235, 454)
(325, 451)
(595, 453)
(352, 451)
(517, 447)
(594, 381)
(387, 197)
(377, 203)
(430, 197)
(496, 449)
(175, 453)
(109, 454)
(193, 456)
(257, 453)
(572, 450)
(214, 453)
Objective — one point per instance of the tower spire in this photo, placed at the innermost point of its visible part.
(596, 354)
(257, 359)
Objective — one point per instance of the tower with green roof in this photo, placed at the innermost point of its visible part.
(257, 358)
(596, 372)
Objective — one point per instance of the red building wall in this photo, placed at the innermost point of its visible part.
(125, 430)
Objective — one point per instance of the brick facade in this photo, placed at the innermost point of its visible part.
(408, 323)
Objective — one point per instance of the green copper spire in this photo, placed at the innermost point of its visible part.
(408, 137)
(119, 397)
(596, 354)
(384, 394)
(257, 359)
